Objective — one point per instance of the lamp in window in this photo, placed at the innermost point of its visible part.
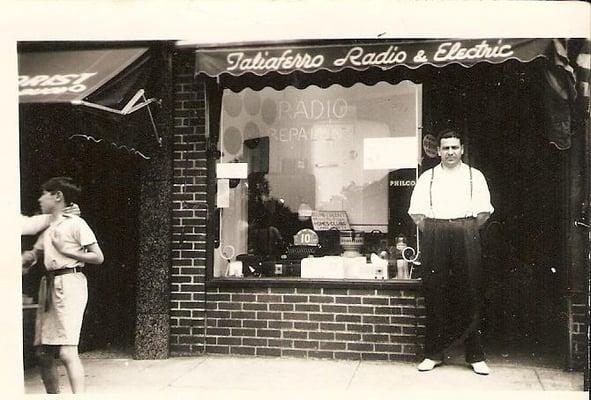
(304, 212)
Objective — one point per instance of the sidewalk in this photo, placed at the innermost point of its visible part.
(211, 374)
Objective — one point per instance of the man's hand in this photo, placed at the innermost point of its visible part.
(481, 219)
(419, 220)
(71, 210)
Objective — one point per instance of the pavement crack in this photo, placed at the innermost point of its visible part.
(186, 372)
(539, 379)
(353, 376)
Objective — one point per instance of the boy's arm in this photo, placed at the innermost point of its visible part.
(97, 253)
(31, 257)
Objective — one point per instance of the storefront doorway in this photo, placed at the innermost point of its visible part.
(109, 203)
(500, 110)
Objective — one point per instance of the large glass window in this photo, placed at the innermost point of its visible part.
(315, 182)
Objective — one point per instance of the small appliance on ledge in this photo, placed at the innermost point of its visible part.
(351, 243)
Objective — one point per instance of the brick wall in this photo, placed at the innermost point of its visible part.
(579, 329)
(187, 306)
(350, 324)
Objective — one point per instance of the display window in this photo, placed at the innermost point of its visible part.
(314, 183)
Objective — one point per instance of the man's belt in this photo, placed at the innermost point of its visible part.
(49, 281)
(438, 220)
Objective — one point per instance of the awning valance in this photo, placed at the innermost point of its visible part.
(384, 54)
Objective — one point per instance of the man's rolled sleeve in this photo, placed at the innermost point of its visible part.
(419, 200)
(481, 201)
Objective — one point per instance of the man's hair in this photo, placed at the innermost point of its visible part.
(449, 133)
(65, 185)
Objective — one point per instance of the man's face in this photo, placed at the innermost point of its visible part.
(48, 201)
(450, 150)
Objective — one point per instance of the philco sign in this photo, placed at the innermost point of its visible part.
(402, 182)
(53, 84)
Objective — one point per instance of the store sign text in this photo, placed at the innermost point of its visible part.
(262, 61)
(302, 120)
(313, 110)
(360, 56)
(53, 84)
(300, 134)
(401, 182)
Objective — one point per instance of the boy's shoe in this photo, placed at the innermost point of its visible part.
(428, 364)
(481, 368)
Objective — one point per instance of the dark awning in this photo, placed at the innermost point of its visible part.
(71, 75)
(106, 86)
(384, 54)
(563, 79)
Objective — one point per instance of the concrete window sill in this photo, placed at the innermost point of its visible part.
(251, 282)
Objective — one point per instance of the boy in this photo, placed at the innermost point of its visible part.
(68, 244)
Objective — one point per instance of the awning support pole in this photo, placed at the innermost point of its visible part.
(158, 138)
(129, 108)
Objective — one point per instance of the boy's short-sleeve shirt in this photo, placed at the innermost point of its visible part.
(74, 232)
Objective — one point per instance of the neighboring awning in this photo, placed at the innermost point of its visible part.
(107, 86)
(384, 54)
(70, 75)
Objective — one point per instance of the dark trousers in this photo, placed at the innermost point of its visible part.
(452, 276)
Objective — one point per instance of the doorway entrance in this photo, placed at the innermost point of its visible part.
(109, 203)
(525, 241)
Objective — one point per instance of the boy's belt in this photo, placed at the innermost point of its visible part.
(63, 271)
(49, 280)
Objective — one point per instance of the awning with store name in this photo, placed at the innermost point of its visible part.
(566, 84)
(107, 86)
(383, 54)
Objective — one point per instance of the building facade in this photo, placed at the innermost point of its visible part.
(263, 143)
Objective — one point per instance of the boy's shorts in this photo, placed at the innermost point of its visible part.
(60, 324)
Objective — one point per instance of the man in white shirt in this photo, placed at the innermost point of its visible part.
(449, 204)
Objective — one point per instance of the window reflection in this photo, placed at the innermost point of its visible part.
(311, 152)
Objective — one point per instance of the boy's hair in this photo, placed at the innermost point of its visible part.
(65, 185)
(450, 133)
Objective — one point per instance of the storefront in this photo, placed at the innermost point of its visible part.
(98, 112)
(267, 213)
(293, 165)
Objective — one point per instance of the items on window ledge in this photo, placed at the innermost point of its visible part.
(328, 254)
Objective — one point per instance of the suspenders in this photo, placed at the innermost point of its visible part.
(431, 187)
